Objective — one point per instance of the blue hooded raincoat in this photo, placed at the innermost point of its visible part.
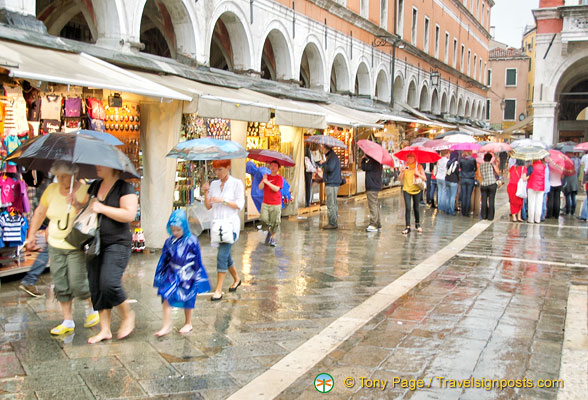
(180, 275)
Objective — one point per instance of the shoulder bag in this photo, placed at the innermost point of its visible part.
(521, 187)
(85, 227)
(221, 231)
(421, 183)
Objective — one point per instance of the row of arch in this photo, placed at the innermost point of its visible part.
(171, 28)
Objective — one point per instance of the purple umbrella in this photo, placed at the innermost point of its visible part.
(466, 146)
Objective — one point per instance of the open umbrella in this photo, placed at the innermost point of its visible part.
(105, 137)
(581, 147)
(558, 161)
(565, 147)
(450, 133)
(86, 152)
(527, 143)
(466, 146)
(325, 140)
(376, 151)
(267, 156)
(528, 153)
(422, 154)
(460, 138)
(207, 149)
(420, 141)
(438, 144)
(495, 147)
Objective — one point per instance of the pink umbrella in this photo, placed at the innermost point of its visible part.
(495, 147)
(268, 156)
(582, 147)
(438, 144)
(460, 138)
(466, 146)
(561, 163)
(422, 154)
(376, 151)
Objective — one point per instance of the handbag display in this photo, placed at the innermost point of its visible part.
(521, 188)
(96, 109)
(85, 228)
(221, 231)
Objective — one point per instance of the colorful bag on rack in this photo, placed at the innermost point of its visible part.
(73, 107)
(96, 109)
(96, 125)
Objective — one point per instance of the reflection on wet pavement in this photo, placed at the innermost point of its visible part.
(475, 317)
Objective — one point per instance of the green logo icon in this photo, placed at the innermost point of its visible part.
(324, 383)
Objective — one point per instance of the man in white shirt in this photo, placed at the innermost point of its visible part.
(584, 162)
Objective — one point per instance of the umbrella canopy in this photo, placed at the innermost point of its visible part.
(528, 153)
(527, 143)
(325, 140)
(558, 161)
(376, 151)
(582, 147)
(466, 146)
(438, 144)
(105, 137)
(565, 147)
(496, 147)
(419, 141)
(86, 152)
(267, 156)
(450, 133)
(460, 138)
(204, 149)
(422, 154)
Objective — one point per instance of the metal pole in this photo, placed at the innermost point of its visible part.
(392, 75)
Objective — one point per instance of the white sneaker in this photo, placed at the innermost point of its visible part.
(371, 228)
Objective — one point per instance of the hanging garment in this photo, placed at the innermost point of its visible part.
(51, 107)
(33, 99)
(2, 117)
(11, 143)
(50, 126)
(96, 109)
(73, 107)
(72, 124)
(7, 190)
(19, 108)
(21, 198)
(14, 229)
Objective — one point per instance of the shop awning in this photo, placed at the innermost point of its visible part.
(519, 126)
(476, 131)
(344, 116)
(48, 65)
(423, 118)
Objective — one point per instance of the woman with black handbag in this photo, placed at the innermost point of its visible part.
(226, 197)
(116, 205)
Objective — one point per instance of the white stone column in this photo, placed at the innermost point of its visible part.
(545, 122)
(160, 131)
(25, 7)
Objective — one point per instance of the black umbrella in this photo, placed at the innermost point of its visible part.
(41, 152)
(566, 147)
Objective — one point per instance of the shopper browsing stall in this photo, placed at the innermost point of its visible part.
(271, 208)
(333, 180)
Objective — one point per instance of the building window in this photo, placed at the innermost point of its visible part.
(478, 9)
(475, 66)
(384, 14)
(413, 34)
(529, 91)
(462, 64)
(531, 62)
(454, 53)
(488, 110)
(446, 55)
(427, 35)
(472, 6)
(489, 81)
(364, 8)
(483, 13)
(469, 62)
(511, 77)
(480, 76)
(437, 34)
(400, 18)
(510, 109)
(488, 18)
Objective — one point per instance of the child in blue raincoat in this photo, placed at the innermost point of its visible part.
(180, 275)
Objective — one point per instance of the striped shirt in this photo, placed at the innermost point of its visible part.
(13, 228)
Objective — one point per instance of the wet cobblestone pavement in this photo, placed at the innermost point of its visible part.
(497, 309)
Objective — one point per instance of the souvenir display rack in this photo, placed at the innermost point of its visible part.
(346, 136)
(262, 135)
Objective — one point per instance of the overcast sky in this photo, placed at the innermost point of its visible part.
(510, 17)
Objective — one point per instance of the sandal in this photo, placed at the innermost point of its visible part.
(419, 229)
(406, 231)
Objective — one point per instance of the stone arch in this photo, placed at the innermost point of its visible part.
(110, 22)
(468, 110)
(460, 107)
(60, 15)
(229, 40)
(424, 99)
(173, 21)
(435, 103)
(453, 105)
(382, 86)
(481, 113)
(475, 110)
(276, 52)
(339, 77)
(362, 82)
(444, 105)
(412, 97)
(399, 89)
(312, 65)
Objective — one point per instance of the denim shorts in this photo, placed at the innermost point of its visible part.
(223, 257)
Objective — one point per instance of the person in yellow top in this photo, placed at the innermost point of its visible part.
(68, 264)
(411, 191)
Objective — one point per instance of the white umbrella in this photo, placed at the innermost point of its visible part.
(527, 143)
(459, 138)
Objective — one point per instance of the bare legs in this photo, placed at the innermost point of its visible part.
(66, 309)
(167, 325)
(126, 326)
(235, 275)
(218, 291)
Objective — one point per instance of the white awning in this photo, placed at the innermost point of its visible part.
(48, 65)
(423, 118)
(476, 131)
(343, 116)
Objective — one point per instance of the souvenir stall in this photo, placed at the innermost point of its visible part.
(390, 137)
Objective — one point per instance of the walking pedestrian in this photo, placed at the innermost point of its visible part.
(333, 180)
(467, 174)
(373, 185)
(411, 192)
(442, 188)
(29, 282)
(226, 197)
(516, 203)
(451, 180)
(553, 198)
(535, 189)
(570, 190)
(115, 201)
(179, 275)
(271, 208)
(68, 265)
(488, 186)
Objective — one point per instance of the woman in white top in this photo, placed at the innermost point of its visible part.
(226, 197)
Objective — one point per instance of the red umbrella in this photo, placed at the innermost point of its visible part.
(376, 151)
(561, 163)
(582, 147)
(264, 155)
(422, 154)
(438, 144)
(495, 147)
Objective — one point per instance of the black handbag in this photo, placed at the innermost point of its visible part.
(92, 249)
(85, 228)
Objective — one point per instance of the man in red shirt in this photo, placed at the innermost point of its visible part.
(271, 208)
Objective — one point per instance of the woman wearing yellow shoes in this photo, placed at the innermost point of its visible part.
(68, 265)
